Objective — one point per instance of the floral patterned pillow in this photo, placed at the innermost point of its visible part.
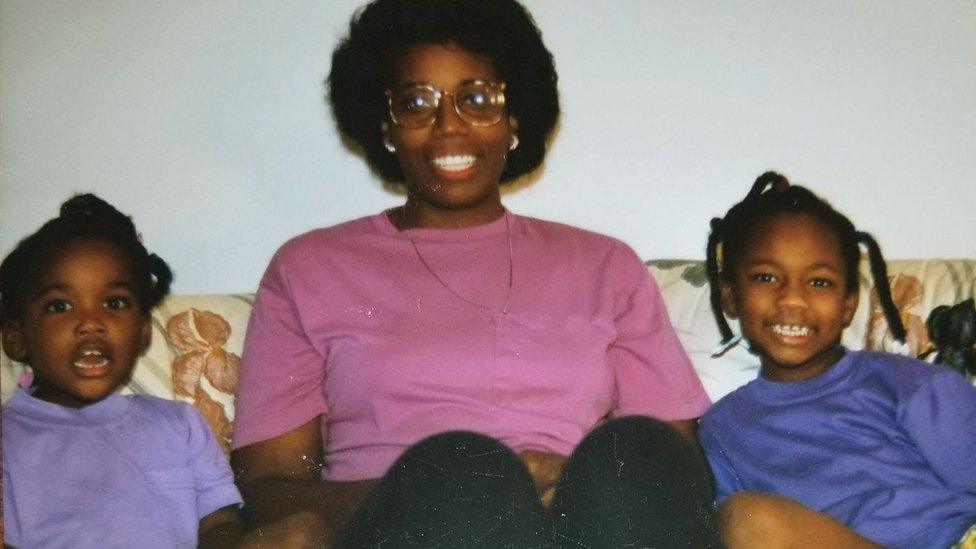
(200, 337)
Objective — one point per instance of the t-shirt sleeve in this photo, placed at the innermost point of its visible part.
(282, 375)
(11, 523)
(654, 374)
(940, 416)
(727, 482)
(212, 477)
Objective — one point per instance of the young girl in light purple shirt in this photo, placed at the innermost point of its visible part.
(84, 466)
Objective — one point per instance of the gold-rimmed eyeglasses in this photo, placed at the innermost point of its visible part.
(477, 102)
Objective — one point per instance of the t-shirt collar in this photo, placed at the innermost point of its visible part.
(104, 411)
(766, 389)
(485, 230)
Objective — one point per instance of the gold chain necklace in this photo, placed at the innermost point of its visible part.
(511, 272)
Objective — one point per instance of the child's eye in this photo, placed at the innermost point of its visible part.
(763, 277)
(57, 306)
(821, 283)
(118, 302)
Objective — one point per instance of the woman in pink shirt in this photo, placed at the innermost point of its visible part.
(447, 373)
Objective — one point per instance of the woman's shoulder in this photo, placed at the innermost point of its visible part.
(328, 243)
(323, 236)
(554, 233)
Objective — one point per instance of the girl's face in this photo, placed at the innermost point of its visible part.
(83, 328)
(452, 167)
(790, 296)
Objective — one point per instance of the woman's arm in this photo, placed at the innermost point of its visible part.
(687, 427)
(281, 477)
(654, 375)
(545, 468)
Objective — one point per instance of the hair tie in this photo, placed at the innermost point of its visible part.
(726, 346)
(898, 347)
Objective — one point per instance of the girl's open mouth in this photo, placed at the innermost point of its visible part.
(91, 363)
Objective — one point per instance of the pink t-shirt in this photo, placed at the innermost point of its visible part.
(350, 324)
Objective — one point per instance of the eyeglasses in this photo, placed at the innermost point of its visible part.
(478, 102)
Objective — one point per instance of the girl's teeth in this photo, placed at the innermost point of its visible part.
(791, 330)
(91, 359)
(453, 163)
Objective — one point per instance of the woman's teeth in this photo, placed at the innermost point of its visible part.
(791, 330)
(454, 163)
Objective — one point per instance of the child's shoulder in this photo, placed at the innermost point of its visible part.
(903, 371)
(897, 375)
(727, 405)
(161, 410)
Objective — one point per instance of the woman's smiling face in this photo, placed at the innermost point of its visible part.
(790, 294)
(452, 168)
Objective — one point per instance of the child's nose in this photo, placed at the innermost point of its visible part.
(792, 295)
(90, 323)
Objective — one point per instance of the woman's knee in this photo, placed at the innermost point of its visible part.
(646, 446)
(636, 433)
(456, 458)
(458, 443)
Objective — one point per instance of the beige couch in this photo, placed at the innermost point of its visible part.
(197, 339)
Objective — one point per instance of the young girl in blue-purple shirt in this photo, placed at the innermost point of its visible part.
(828, 447)
(84, 466)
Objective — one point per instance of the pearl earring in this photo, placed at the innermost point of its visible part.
(390, 146)
(514, 144)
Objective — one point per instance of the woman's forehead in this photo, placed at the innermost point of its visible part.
(441, 65)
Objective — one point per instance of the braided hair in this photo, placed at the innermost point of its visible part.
(84, 216)
(769, 196)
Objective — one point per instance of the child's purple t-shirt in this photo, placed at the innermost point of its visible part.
(128, 471)
(883, 443)
(395, 335)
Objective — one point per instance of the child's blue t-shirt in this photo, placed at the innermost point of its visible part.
(883, 443)
(132, 471)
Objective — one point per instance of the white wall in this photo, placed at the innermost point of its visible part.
(205, 120)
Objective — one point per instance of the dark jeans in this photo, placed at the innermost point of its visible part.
(632, 482)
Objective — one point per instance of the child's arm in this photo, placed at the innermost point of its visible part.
(217, 497)
(751, 520)
(940, 417)
(222, 528)
(727, 481)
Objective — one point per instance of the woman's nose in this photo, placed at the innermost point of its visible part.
(446, 118)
